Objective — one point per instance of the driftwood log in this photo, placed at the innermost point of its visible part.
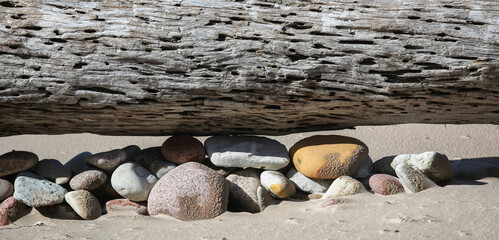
(141, 67)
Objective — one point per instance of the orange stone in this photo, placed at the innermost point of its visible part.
(328, 156)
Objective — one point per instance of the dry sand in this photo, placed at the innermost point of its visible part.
(463, 209)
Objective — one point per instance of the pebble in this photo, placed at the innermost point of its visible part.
(131, 151)
(413, 178)
(77, 164)
(385, 184)
(10, 210)
(36, 191)
(306, 184)
(247, 151)
(191, 191)
(277, 184)
(133, 181)
(53, 170)
(59, 211)
(88, 180)
(328, 156)
(6, 189)
(344, 186)
(160, 168)
(246, 193)
(364, 170)
(126, 205)
(181, 149)
(17, 161)
(383, 165)
(84, 204)
(107, 161)
(145, 157)
(434, 165)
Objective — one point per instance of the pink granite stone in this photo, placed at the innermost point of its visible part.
(385, 184)
(124, 204)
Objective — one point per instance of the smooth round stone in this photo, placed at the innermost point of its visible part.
(10, 211)
(364, 170)
(305, 184)
(383, 165)
(133, 181)
(160, 168)
(344, 186)
(328, 157)
(191, 191)
(88, 180)
(131, 151)
(77, 164)
(84, 204)
(145, 157)
(59, 211)
(277, 184)
(413, 178)
(434, 165)
(6, 189)
(385, 184)
(53, 170)
(36, 191)
(17, 161)
(118, 205)
(107, 161)
(247, 152)
(181, 149)
(246, 193)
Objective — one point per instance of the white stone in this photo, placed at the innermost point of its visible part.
(84, 204)
(434, 165)
(413, 178)
(133, 181)
(277, 184)
(344, 186)
(306, 184)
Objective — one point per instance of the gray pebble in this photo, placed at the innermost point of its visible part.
(36, 191)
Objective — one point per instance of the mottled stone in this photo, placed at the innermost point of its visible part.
(53, 170)
(160, 168)
(328, 157)
(246, 193)
(145, 157)
(344, 186)
(127, 205)
(36, 191)
(305, 184)
(413, 178)
(181, 149)
(17, 161)
(434, 165)
(277, 184)
(10, 210)
(191, 191)
(6, 189)
(247, 151)
(107, 161)
(364, 170)
(383, 165)
(59, 211)
(88, 180)
(84, 204)
(77, 164)
(385, 184)
(133, 181)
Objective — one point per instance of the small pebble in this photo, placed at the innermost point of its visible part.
(244, 191)
(181, 149)
(413, 178)
(88, 180)
(277, 184)
(434, 165)
(127, 205)
(133, 181)
(383, 165)
(107, 161)
(145, 157)
(364, 170)
(131, 151)
(10, 211)
(385, 184)
(53, 170)
(305, 184)
(344, 186)
(6, 189)
(77, 164)
(17, 161)
(84, 204)
(160, 168)
(36, 191)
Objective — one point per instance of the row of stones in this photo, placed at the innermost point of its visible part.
(193, 190)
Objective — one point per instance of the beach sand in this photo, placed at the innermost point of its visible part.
(462, 209)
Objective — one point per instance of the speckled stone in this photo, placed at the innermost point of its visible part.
(133, 181)
(126, 205)
(328, 156)
(160, 168)
(36, 191)
(145, 157)
(344, 186)
(107, 161)
(246, 193)
(434, 165)
(305, 184)
(181, 149)
(53, 170)
(277, 184)
(385, 184)
(88, 180)
(191, 191)
(413, 178)
(17, 161)
(6, 189)
(77, 164)
(84, 204)
(10, 211)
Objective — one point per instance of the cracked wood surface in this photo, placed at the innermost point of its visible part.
(260, 67)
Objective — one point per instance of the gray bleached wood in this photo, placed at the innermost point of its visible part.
(261, 67)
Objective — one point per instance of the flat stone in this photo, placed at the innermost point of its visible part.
(145, 157)
(246, 193)
(53, 170)
(84, 204)
(385, 184)
(160, 168)
(88, 180)
(364, 170)
(328, 156)
(413, 178)
(118, 205)
(344, 186)
(6, 189)
(10, 211)
(277, 184)
(107, 161)
(133, 181)
(36, 191)
(181, 149)
(17, 161)
(434, 165)
(77, 164)
(247, 152)
(59, 211)
(309, 185)
(191, 191)
(383, 165)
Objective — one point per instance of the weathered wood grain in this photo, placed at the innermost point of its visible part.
(262, 67)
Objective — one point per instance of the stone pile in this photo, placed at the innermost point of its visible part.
(241, 173)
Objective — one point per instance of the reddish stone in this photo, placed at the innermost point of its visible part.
(385, 184)
(331, 202)
(88, 180)
(9, 211)
(182, 149)
(126, 205)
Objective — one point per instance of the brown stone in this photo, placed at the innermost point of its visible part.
(181, 149)
(17, 161)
